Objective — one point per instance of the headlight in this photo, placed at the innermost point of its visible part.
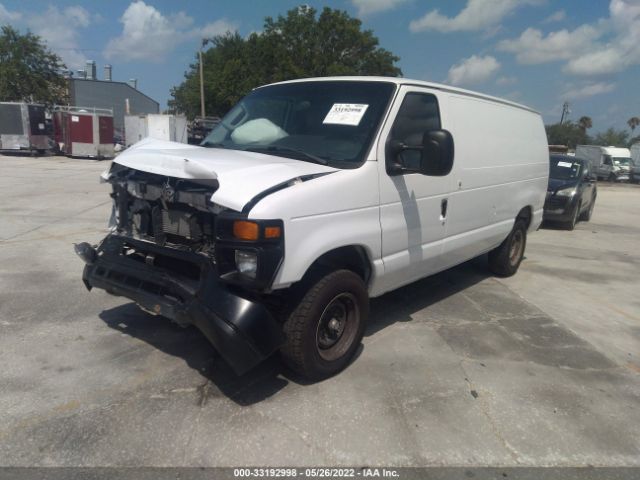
(566, 192)
(247, 263)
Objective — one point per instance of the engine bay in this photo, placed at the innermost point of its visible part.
(165, 210)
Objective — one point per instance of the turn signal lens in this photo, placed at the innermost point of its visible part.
(272, 232)
(244, 230)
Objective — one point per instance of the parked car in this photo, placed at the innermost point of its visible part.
(200, 127)
(312, 196)
(635, 163)
(572, 191)
(607, 163)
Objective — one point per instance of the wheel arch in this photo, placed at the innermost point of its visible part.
(350, 257)
(525, 214)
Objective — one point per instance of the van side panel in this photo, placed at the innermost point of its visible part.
(501, 166)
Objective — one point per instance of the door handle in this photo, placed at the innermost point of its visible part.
(443, 209)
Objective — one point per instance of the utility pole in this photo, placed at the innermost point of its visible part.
(565, 112)
(202, 112)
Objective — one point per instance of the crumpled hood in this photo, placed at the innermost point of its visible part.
(241, 175)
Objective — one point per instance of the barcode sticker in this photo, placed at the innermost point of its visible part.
(346, 114)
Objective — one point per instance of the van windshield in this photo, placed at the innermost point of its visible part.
(564, 168)
(621, 161)
(328, 122)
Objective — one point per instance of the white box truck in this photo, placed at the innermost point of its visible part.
(309, 198)
(609, 163)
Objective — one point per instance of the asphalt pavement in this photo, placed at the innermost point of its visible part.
(541, 369)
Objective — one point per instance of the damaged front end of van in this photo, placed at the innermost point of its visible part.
(177, 253)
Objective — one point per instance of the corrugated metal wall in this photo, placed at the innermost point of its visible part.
(102, 94)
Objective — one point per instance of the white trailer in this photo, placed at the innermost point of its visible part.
(23, 127)
(611, 163)
(171, 128)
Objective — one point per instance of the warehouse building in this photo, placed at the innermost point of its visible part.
(85, 90)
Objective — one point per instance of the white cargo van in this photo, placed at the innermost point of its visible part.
(309, 198)
(610, 163)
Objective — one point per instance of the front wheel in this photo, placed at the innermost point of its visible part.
(505, 259)
(327, 325)
(586, 215)
(571, 224)
(612, 178)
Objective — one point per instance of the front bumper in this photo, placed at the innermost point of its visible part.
(185, 287)
(558, 208)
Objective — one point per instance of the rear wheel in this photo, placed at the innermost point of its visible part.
(505, 259)
(326, 326)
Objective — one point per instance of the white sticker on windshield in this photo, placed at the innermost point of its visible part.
(565, 164)
(346, 114)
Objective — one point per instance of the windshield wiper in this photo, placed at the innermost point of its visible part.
(279, 149)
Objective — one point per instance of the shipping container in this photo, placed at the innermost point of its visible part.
(84, 132)
(172, 128)
(23, 127)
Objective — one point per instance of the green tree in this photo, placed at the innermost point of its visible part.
(612, 137)
(567, 133)
(29, 71)
(633, 122)
(300, 44)
(585, 123)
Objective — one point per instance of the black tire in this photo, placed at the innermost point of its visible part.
(586, 215)
(325, 328)
(612, 178)
(571, 224)
(505, 259)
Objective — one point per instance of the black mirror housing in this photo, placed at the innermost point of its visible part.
(437, 153)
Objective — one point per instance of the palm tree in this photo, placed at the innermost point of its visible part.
(633, 122)
(585, 123)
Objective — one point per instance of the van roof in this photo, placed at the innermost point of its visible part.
(408, 81)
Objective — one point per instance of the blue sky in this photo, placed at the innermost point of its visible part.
(536, 52)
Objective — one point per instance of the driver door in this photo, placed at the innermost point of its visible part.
(413, 206)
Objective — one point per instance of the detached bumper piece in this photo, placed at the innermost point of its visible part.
(184, 287)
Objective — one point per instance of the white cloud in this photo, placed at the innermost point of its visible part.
(219, 27)
(621, 51)
(588, 90)
(367, 7)
(606, 46)
(476, 15)
(473, 70)
(602, 61)
(61, 29)
(533, 47)
(556, 17)
(149, 35)
(502, 81)
(8, 17)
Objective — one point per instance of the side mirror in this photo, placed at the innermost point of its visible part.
(437, 153)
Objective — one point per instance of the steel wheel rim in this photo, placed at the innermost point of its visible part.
(517, 244)
(337, 326)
